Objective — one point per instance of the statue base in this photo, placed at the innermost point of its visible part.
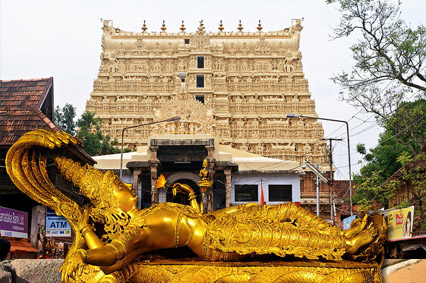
(276, 271)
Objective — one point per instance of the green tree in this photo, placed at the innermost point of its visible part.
(95, 143)
(403, 139)
(64, 118)
(409, 125)
(382, 162)
(389, 55)
(413, 176)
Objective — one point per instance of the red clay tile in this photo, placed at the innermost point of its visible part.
(20, 102)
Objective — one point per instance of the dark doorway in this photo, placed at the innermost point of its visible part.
(181, 197)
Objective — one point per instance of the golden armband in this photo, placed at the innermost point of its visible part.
(84, 252)
(120, 248)
(86, 229)
(191, 196)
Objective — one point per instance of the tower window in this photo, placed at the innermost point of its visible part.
(186, 40)
(200, 81)
(200, 98)
(200, 62)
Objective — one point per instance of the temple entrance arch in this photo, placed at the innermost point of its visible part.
(183, 175)
(187, 178)
(181, 197)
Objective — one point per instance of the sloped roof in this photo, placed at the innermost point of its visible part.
(31, 92)
(418, 160)
(20, 102)
(17, 120)
(21, 245)
(247, 162)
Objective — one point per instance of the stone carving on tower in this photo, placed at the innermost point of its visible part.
(196, 118)
(200, 41)
(245, 82)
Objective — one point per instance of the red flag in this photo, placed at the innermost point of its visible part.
(262, 198)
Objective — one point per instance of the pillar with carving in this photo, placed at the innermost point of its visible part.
(154, 162)
(136, 173)
(211, 164)
(228, 185)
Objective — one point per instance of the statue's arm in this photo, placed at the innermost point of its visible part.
(98, 253)
(107, 255)
(191, 195)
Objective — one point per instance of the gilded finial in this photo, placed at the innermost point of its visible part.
(240, 26)
(221, 28)
(163, 26)
(259, 26)
(144, 28)
(182, 27)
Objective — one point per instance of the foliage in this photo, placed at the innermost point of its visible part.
(409, 125)
(412, 177)
(382, 162)
(64, 118)
(95, 143)
(404, 137)
(389, 55)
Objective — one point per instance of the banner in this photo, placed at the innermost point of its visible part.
(13, 223)
(348, 221)
(56, 226)
(400, 222)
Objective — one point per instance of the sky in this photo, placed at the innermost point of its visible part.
(62, 39)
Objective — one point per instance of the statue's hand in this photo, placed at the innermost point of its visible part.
(74, 266)
(84, 219)
(181, 188)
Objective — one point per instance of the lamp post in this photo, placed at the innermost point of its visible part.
(315, 169)
(172, 119)
(349, 148)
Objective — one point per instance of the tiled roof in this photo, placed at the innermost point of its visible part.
(24, 92)
(17, 120)
(20, 102)
(21, 245)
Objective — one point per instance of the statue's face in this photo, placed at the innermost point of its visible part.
(127, 201)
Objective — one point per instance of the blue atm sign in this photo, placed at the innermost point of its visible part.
(56, 226)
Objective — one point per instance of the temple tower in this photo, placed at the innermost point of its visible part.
(247, 82)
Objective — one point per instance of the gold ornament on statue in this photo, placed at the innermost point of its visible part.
(111, 233)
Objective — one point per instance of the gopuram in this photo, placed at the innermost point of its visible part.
(249, 81)
(115, 241)
(239, 87)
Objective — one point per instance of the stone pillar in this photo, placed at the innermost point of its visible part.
(38, 220)
(228, 185)
(211, 164)
(153, 168)
(136, 173)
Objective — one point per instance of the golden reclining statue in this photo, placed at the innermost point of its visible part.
(111, 233)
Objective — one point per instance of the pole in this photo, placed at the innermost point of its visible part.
(315, 170)
(350, 170)
(349, 147)
(318, 198)
(330, 159)
(172, 119)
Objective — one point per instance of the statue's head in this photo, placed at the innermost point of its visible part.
(104, 190)
(125, 197)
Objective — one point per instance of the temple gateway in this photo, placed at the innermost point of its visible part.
(233, 95)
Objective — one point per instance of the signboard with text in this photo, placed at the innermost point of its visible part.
(13, 223)
(347, 222)
(56, 226)
(400, 222)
